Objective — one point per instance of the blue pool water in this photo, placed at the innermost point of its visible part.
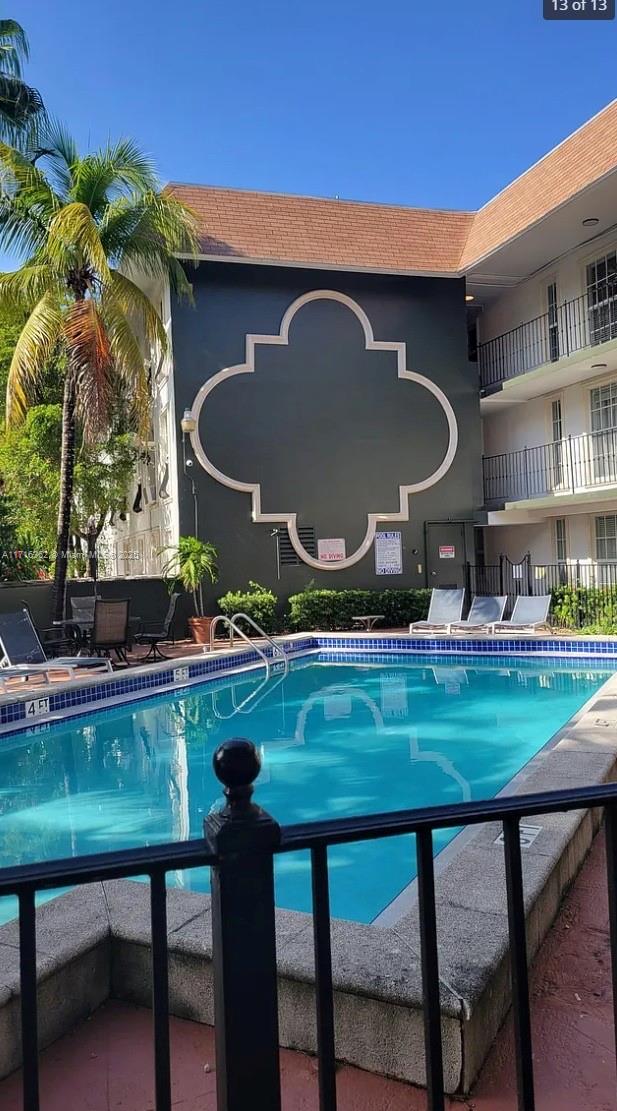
(338, 738)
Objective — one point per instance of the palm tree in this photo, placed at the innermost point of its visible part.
(85, 227)
(21, 107)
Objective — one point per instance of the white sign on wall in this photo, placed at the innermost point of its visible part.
(331, 551)
(388, 553)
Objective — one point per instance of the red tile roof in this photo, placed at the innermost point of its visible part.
(584, 157)
(313, 231)
(318, 232)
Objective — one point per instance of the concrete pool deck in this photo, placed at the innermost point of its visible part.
(105, 1064)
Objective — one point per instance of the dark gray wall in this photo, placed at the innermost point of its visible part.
(149, 598)
(326, 427)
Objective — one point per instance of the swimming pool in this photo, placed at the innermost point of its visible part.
(367, 734)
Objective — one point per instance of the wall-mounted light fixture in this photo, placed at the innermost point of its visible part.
(188, 424)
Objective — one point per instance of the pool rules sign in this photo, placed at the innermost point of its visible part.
(388, 553)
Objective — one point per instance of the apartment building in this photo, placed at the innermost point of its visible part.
(547, 359)
(444, 383)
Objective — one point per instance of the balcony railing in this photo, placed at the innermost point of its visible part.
(568, 466)
(572, 326)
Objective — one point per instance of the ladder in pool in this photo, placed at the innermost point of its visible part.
(278, 652)
(278, 656)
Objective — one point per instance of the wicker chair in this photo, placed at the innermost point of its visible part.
(110, 631)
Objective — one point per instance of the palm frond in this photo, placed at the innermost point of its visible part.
(116, 171)
(23, 231)
(34, 347)
(20, 177)
(58, 153)
(128, 361)
(20, 290)
(73, 240)
(134, 303)
(14, 47)
(91, 362)
(20, 105)
(165, 228)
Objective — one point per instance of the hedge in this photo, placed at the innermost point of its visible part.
(257, 602)
(331, 610)
(591, 607)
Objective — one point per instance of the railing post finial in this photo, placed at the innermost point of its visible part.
(244, 838)
(237, 764)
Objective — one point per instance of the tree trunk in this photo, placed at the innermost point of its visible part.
(92, 535)
(67, 467)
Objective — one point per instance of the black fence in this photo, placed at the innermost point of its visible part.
(565, 466)
(574, 325)
(583, 593)
(240, 842)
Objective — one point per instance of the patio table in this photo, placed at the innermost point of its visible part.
(368, 620)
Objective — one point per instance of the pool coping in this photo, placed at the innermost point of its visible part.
(95, 941)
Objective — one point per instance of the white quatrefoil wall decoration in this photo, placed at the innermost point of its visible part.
(254, 488)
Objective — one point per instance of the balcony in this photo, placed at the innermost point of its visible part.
(577, 464)
(573, 326)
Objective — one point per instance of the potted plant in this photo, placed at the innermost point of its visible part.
(190, 562)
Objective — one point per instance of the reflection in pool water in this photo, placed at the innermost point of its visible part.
(337, 739)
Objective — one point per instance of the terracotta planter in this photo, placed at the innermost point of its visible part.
(200, 629)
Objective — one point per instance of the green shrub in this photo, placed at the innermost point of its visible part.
(589, 607)
(257, 602)
(331, 610)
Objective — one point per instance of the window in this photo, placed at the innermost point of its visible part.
(558, 446)
(149, 475)
(287, 553)
(603, 400)
(606, 537)
(553, 322)
(163, 453)
(602, 298)
(557, 419)
(603, 453)
(560, 540)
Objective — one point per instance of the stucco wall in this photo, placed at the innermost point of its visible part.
(326, 427)
(528, 299)
(538, 538)
(529, 424)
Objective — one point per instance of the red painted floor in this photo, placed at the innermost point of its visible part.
(106, 1064)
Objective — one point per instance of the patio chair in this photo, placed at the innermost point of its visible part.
(530, 613)
(486, 610)
(446, 607)
(153, 636)
(82, 609)
(110, 631)
(23, 653)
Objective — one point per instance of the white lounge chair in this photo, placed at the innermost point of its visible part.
(530, 613)
(23, 654)
(486, 610)
(446, 607)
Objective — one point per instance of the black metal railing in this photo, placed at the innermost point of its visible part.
(240, 844)
(584, 592)
(585, 321)
(566, 466)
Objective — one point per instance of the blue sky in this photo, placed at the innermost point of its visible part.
(424, 102)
